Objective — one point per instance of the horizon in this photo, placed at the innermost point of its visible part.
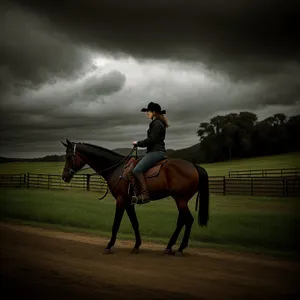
(34, 155)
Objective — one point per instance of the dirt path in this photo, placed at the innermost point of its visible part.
(48, 264)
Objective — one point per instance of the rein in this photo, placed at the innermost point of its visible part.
(118, 163)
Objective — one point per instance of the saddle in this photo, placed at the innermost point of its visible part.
(152, 172)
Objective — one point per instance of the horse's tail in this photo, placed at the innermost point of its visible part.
(203, 193)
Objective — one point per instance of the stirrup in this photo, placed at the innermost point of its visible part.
(141, 200)
(134, 200)
(137, 200)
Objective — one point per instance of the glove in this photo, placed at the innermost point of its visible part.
(134, 143)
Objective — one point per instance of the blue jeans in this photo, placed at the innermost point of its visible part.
(148, 161)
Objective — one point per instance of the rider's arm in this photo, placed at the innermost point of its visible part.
(154, 134)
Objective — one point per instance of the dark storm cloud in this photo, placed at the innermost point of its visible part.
(242, 38)
(249, 50)
(107, 84)
(32, 52)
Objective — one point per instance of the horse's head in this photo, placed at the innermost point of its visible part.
(73, 162)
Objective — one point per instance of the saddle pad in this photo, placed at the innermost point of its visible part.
(152, 172)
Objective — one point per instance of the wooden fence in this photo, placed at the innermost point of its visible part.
(295, 172)
(256, 186)
(286, 186)
(53, 182)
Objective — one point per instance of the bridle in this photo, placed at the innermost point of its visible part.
(71, 171)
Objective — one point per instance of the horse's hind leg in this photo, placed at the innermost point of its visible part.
(174, 237)
(184, 218)
(189, 220)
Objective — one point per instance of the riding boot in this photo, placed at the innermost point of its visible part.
(133, 181)
(143, 197)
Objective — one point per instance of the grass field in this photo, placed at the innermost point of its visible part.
(290, 160)
(264, 224)
(254, 223)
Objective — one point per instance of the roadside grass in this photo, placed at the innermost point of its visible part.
(261, 224)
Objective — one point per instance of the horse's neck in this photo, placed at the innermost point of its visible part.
(100, 161)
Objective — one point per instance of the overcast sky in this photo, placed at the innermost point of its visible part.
(83, 69)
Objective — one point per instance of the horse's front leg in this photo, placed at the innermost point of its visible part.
(130, 209)
(120, 207)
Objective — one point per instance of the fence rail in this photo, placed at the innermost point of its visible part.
(286, 186)
(256, 186)
(265, 173)
(53, 182)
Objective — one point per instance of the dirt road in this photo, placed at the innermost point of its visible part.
(47, 264)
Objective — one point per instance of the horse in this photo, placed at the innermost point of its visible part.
(176, 178)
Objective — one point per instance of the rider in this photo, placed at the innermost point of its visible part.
(156, 150)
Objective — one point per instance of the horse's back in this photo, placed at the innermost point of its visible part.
(180, 175)
(175, 163)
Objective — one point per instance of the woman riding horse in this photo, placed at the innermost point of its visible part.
(156, 151)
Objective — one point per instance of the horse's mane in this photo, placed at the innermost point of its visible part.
(103, 149)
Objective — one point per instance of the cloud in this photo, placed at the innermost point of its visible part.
(240, 38)
(31, 54)
(189, 95)
(106, 84)
(84, 69)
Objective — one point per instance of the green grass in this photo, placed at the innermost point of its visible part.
(283, 161)
(290, 160)
(32, 167)
(255, 223)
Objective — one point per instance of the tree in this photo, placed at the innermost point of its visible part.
(293, 131)
(242, 135)
(205, 129)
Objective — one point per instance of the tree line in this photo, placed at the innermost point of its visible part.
(241, 135)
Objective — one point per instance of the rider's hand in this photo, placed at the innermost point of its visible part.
(134, 143)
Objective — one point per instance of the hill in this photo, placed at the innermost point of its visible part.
(48, 158)
(192, 154)
(7, 160)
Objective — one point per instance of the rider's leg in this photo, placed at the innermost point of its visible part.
(148, 161)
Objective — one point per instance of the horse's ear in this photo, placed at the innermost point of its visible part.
(69, 143)
(64, 144)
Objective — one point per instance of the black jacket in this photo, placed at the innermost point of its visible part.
(155, 137)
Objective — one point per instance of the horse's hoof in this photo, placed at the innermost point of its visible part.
(179, 253)
(107, 251)
(169, 252)
(135, 251)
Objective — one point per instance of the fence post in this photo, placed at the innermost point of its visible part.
(283, 186)
(88, 178)
(28, 178)
(24, 180)
(224, 186)
(20, 179)
(48, 182)
(252, 186)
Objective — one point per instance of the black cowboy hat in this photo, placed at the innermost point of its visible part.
(154, 107)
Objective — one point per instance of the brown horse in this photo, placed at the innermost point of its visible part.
(177, 178)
